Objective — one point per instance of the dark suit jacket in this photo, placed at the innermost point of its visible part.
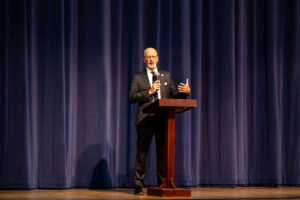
(139, 92)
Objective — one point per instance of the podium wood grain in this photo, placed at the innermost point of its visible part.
(169, 108)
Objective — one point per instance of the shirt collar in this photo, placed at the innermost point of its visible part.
(149, 70)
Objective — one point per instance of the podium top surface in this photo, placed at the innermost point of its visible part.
(179, 105)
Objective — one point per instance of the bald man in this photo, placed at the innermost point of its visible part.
(147, 86)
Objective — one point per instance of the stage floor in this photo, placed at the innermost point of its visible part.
(126, 193)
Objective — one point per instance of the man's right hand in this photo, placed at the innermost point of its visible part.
(155, 87)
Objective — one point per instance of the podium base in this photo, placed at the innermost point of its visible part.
(169, 192)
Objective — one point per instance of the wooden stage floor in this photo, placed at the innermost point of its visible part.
(126, 193)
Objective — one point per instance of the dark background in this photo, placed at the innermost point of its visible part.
(66, 69)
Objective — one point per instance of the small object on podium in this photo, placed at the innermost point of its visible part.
(170, 107)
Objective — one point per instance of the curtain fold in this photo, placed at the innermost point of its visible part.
(66, 70)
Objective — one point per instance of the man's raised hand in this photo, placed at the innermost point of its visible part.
(184, 88)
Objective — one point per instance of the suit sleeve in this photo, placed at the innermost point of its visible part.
(136, 95)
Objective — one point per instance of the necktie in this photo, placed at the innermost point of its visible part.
(154, 78)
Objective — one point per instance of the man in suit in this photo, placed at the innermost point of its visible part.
(146, 87)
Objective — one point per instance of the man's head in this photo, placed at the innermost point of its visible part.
(150, 58)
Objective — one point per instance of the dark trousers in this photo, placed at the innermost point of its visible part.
(153, 126)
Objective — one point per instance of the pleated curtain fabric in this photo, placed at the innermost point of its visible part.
(65, 73)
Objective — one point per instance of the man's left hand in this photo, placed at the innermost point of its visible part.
(184, 88)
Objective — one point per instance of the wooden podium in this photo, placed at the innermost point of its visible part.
(169, 108)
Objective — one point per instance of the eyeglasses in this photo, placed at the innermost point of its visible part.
(148, 57)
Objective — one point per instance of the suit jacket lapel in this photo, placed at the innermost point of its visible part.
(162, 81)
(146, 79)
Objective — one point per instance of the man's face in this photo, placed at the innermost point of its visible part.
(150, 58)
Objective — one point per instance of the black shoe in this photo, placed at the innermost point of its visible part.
(138, 191)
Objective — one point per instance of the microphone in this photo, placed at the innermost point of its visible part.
(155, 78)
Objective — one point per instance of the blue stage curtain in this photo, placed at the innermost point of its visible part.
(66, 69)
